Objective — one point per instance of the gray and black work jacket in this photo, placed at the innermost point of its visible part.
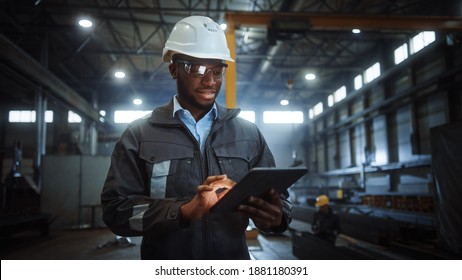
(156, 167)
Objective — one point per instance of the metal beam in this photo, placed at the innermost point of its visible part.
(59, 90)
(348, 22)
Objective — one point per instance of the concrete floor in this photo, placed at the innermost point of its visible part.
(101, 244)
(81, 244)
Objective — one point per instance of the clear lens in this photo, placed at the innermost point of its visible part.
(199, 71)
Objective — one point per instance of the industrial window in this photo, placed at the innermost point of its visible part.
(27, 116)
(247, 115)
(330, 100)
(316, 110)
(73, 117)
(340, 94)
(358, 82)
(337, 96)
(283, 117)
(401, 54)
(127, 116)
(422, 40)
(372, 73)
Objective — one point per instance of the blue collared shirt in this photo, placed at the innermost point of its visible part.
(199, 129)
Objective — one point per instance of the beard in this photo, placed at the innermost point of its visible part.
(190, 98)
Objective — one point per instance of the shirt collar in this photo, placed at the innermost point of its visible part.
(177, 107)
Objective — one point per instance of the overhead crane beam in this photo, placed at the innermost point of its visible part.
(347, 22)
(330, 22)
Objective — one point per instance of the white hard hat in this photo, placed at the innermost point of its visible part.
(197, 36)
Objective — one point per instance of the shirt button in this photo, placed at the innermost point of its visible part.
(172, 214)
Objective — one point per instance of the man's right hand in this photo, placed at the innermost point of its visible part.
(206, 196)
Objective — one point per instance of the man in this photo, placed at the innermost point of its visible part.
(166, 168)
(326, 224)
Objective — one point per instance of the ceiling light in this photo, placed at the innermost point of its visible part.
(119, 74)
(223, 26)
(284, 102)
(137, 101)
(86, 23)
(356, 31)
(310, 76)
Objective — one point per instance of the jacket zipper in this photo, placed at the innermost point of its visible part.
(205, 220)
(203, 160)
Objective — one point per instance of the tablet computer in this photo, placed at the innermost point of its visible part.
(257, 182)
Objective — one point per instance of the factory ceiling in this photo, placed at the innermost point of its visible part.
(276, 44)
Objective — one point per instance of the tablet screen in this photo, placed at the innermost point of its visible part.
(257, 183)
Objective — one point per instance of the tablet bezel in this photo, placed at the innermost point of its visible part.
(257, 182)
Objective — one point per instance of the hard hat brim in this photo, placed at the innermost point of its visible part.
(168, 55)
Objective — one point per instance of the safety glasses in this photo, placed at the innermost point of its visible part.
(199, 70)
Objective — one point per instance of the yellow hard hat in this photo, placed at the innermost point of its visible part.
(322, 200)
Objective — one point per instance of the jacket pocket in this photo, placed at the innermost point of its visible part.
(167, 165)
(235, 159)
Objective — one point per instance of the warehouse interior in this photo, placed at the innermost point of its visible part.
(367, 94)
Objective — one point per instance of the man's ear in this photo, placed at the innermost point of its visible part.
(173, 68)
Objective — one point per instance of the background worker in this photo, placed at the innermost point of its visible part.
(326, 223)
(166, 168)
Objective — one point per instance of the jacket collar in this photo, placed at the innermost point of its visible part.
(163, 114)
(177, 107)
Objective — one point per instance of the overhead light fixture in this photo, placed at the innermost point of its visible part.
(284, 102)
(223, 26)
(85, 23)
(310, 76)
(119, 74)
(356, 31)
(137, 101)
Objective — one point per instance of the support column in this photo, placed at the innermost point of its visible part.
(40, 109)
(231, 71)
(93, 130)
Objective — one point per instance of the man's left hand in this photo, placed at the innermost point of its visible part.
(264, 213)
